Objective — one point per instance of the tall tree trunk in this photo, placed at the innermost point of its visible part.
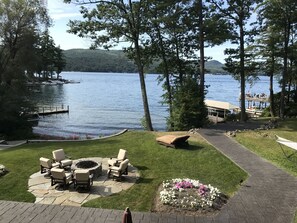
(285, 72)
(166, 74)
(242, 76)
(289, 81)
(147, 115)
(271, 94)
(179, 64)
(201, 48)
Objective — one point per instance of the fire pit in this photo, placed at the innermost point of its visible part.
(94, 167)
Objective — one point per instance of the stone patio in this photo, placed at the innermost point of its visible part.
(40, 186)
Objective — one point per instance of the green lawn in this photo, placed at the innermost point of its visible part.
(155, 163)
(264, 144)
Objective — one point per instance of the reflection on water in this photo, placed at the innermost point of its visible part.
(105, 103)
(46, 95)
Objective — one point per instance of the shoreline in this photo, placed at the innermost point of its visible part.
(11, 144)
(64, 139)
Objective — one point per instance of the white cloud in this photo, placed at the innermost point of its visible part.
(59, 10)
(61, 13)
(57, 16)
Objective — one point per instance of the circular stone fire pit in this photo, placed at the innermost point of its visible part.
(94, 167)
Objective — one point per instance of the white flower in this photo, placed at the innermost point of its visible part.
(187, 197)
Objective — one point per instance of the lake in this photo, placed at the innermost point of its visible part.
(106, 103)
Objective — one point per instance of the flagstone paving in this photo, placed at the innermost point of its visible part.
(40, 185)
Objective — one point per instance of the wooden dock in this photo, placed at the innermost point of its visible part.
(50, 110)
(257, 99)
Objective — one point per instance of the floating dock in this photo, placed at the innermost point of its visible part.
(50, 110)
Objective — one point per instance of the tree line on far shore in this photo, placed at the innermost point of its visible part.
(116, 61)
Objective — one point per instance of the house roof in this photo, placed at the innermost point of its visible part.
(220, 105)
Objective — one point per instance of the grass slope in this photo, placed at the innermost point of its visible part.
(155, 163)
(264, 144)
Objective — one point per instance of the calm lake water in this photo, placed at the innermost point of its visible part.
(106, 103)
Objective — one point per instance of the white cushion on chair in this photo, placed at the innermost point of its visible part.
(121, 156)
(118, 171)
(59, 155)
(82, 175)
(66, 162)
(59, 174)
(45, 162)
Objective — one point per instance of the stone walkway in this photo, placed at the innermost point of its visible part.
(269, 195)
(40, 185)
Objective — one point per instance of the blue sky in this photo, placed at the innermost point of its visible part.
(61, 13)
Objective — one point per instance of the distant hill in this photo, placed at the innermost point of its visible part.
(214, 67)
(87, 60)
(98, 61)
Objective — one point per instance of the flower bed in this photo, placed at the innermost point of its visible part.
(191, 194)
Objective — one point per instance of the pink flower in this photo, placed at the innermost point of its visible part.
(183, 184)
(202, 190)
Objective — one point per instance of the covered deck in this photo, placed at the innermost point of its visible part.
(218, 110)
(256, 104)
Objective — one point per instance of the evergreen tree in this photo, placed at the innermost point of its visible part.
(268, 50)
(281, 17)
(169, 44)
(188, 109)
(238, 12)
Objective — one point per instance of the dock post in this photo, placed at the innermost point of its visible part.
(68, 108)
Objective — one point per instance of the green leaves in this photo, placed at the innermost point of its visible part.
(188, 110)
(21, 22)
